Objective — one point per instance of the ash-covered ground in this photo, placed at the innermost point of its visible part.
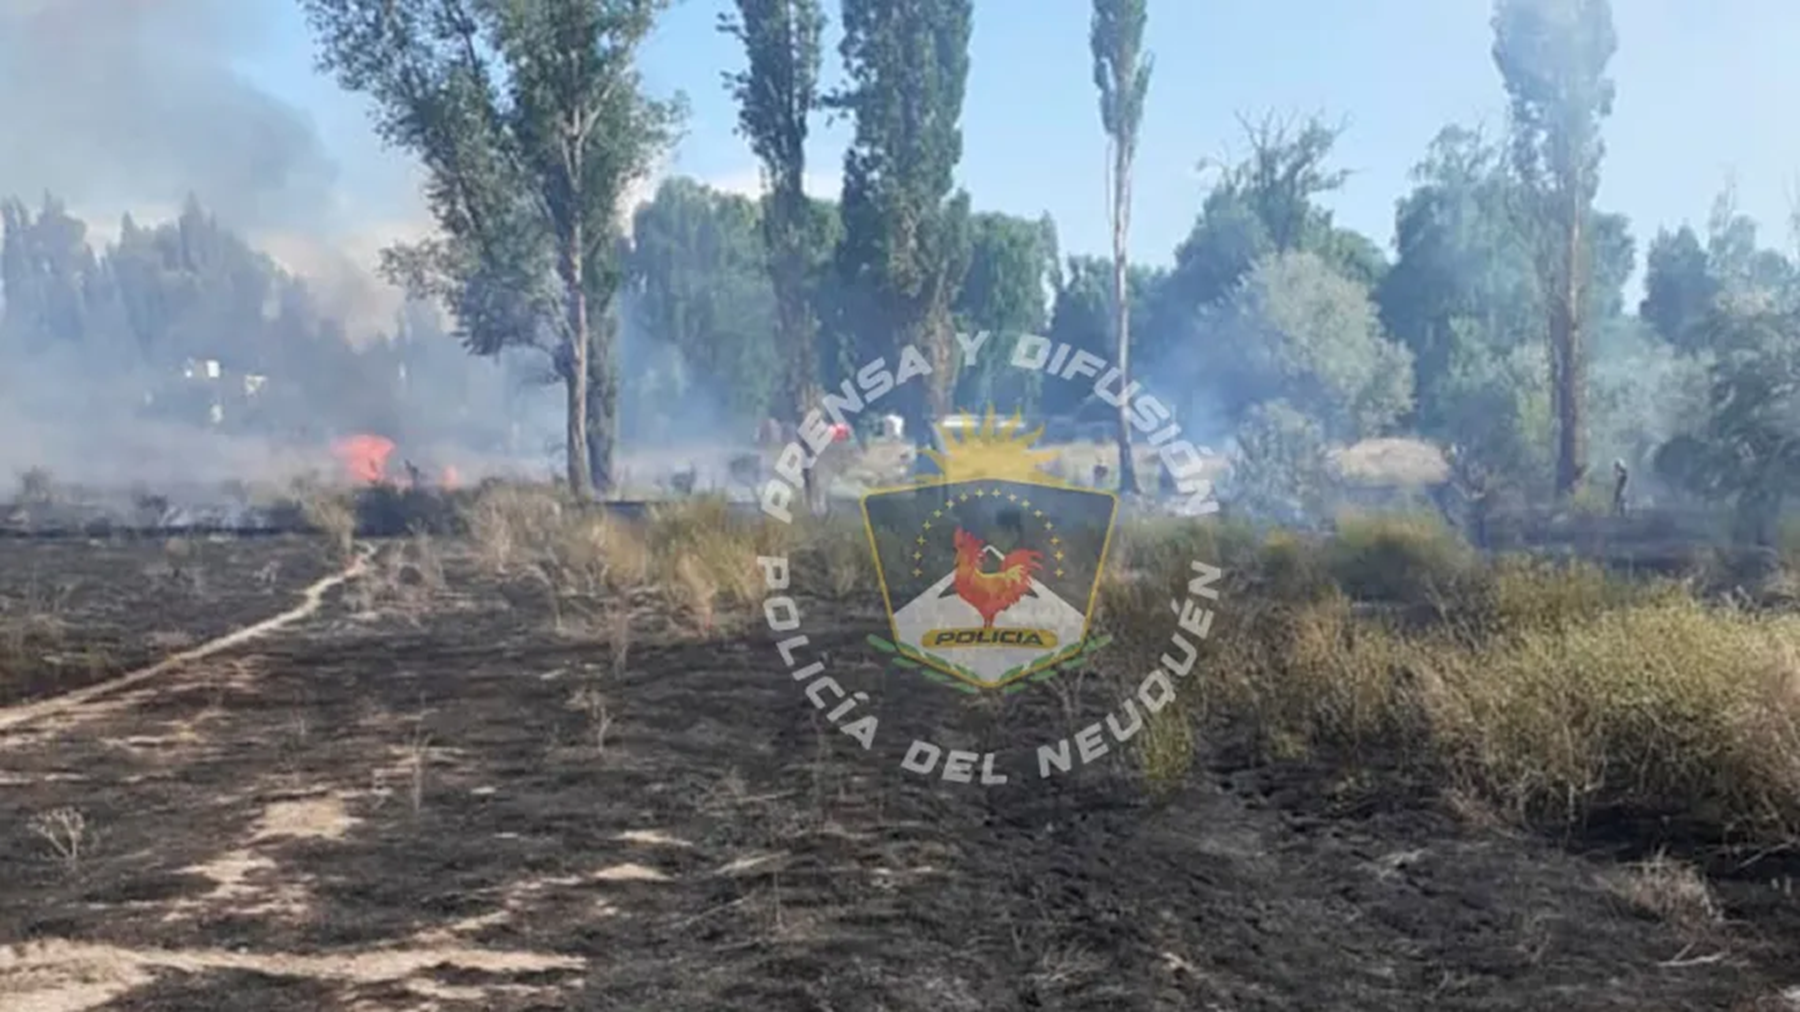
(438, 792)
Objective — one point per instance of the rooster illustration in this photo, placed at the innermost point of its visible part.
(992, 593)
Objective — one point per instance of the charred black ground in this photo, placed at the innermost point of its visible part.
(722, 848)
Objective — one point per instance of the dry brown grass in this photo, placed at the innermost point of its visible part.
(1541, 692)
(406, 579)
(694, 554)
(1670, 891)
(1391, 461)
(332, 512)
(1165, 747)
(36, 624)
(1551, 692)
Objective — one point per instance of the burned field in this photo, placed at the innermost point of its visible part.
(76, 611)
(472, 780)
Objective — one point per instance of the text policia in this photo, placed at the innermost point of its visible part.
(1149, 416)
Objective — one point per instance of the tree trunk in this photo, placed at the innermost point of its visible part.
(794, 318)
(603, 410)
(575, 383)
(1756, 522)
(915, 401)
(1128, 481)
(581, 475)
(940, 342)
(1570, 376)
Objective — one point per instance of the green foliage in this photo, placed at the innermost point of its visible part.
(1297, 330)
(1122, 73)
(1121, 68)
(779, 89)
(1283, 469)
(1748, 450)
(1552, 56)
(1011, 265)
(1461, 287)
(699, 277)
(1733, 306)
(776, 96)
(1678, 287)
(905, 247)
(1643, 391)
(1081, 317)
(529, 120)
(1266, 203)
(1494, 408)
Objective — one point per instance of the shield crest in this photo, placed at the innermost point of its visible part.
(989, 569)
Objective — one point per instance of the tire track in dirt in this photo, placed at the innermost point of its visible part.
(312, 597)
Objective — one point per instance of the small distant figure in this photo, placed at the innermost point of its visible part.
(1620, 478)
(746, 469)
(683, 481)
(415, 478)
(1101, 473)
(768, 434)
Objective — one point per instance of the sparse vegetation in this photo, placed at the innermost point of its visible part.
(1554, 692)
(332, 514)
(67, 833)
(1525, 694)
(1669, 890)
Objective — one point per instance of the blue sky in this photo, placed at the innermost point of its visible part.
(1704, 92)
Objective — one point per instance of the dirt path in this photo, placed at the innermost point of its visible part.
(311, 598)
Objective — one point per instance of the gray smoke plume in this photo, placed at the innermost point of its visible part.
(136, 102)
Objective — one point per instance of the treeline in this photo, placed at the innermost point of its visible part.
(1283, 331)
(1496, 327)
(96, 333)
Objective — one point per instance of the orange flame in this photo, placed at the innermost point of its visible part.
(364, 456)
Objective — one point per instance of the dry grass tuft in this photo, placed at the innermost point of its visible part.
(1669, 891)
(331, 512)
(1552, 693)
(67, 833)
(695, 555)
(1539, 692)
(1406, 558)
(835, 557)
(35, 625)
(406, 580)
(1165, 749)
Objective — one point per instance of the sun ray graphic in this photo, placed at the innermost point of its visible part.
(994, 450)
